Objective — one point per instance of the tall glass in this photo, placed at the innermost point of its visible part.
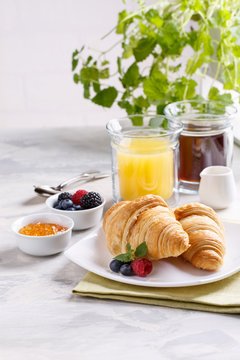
(206, 139)
(144, 157)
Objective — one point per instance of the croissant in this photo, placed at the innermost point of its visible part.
(206, 235)
(149, 219)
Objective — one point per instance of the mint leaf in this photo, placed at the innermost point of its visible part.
(141, 250)
(127, 257)
(105, 62)
(106, 97)
(153, 17)
(170, 39)
(141, 102)
(74, 64)
(236, 51)
(156, 86)
(157, 122)
(122, 23)
(89, 74)
(75, 53)
(184, 88)
(214, 94)
(89, 59)
(123, 257)
(131, 77)
(223, 16)
(196, 62)
(104, 73)
(76, 78)
(124, 104)
(129, 250)
(137, 120)
(144, 48)
(96, 87)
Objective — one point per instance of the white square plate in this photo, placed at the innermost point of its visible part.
(92, 254)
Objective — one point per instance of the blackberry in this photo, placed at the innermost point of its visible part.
(91, 199)
(64, 195)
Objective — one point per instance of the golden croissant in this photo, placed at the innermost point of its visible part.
(149, 219)
(206, 235)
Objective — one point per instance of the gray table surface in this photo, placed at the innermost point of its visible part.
(39, 317)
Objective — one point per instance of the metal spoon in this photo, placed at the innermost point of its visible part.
(46, 190)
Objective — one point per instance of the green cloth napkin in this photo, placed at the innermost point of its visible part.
(222, 296)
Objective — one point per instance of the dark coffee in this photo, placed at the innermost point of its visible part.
(198, 152)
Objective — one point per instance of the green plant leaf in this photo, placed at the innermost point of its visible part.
(223, 16)
(141, 250)
(156, 122)
(124, 104)
(131, 77)
(89, 59)
(89, 74)
(74, 64)
(171, 40)
(236, 51)
(96, 87)
(214, 94)
(106, 97)
(144, 48)
(154, 18)
(130, 250)
(123, 257)
(141, 102)
(76, 78)
(75, 53)
(105, 62)
(104, 73)
(195, 63)
(156, 86)
(184, 88)
(160, 108)
(137, 120)
(122, 22)
(126, 257)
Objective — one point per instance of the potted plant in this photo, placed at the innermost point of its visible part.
(150, 68)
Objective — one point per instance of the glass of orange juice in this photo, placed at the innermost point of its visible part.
(144, 157)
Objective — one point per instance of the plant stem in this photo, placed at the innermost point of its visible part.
(167, 67)
(216, 74)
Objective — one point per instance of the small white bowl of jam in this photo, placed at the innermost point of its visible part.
(43, 234)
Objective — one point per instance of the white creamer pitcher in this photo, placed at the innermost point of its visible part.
(217, 187)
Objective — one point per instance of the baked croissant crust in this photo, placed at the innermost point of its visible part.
(149, 219)
(206, 235)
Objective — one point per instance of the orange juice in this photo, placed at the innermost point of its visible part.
(145, 166)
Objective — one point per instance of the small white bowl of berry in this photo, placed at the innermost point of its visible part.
(85, 208)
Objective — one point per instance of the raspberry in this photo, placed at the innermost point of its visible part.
(64, 195)
(76, 198)
(91, 199)
(141, 267)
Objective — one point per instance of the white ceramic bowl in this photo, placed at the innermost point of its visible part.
(43, 245)
(83, 219)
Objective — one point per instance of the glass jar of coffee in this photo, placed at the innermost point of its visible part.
(206, 139)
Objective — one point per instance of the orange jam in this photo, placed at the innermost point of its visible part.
(42, 229)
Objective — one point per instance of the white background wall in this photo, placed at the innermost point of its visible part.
(37, 38)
